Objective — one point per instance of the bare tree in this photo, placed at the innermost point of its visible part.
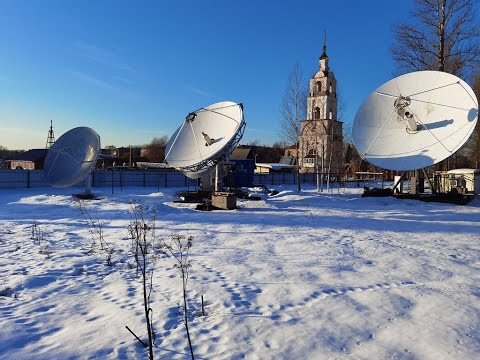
(282, 145)
(8, 154)
(473, 144)
(155, 150)
(293, 109)
(254, 142)
(443, 35)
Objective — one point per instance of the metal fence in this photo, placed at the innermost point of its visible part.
(17, 179)
(291, 179)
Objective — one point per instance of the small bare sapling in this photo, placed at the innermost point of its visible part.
(95, 227)
(142, 234)
(38, 238)
(179, 248)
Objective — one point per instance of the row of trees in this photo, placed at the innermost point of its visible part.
(440, 35)
(155, 151)
(8, 154)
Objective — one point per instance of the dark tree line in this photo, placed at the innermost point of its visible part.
(8, 154)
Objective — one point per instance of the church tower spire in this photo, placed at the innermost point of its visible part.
(323, 60)
(322, 101)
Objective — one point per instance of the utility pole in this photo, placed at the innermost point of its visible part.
(130, 157)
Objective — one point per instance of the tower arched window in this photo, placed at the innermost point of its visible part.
(316, 114)
(331, 87)
(318, 87)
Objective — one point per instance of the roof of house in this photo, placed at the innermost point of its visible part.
(287, 160)
(240, 153)
(464, 171)
(31, 155)
(275, 166)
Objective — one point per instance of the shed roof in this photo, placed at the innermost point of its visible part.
(464, 171)
(241, 153)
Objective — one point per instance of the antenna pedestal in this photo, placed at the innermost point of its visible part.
(224, 200)
(88, 185)
(218, 178)
(417, 183)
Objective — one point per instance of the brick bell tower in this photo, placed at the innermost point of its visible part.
(321, 137)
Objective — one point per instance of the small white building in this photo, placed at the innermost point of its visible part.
(463, 180)
(266, 168)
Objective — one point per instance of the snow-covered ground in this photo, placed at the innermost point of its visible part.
(292, 276)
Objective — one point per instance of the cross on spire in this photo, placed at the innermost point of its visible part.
(324, 53)
(324, 40)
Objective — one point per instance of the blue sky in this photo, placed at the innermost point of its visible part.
(133, 70)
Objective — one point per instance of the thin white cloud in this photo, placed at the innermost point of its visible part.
(92, 80)
(122, 80)
(101, 56)
(201, 92)
(249, 129)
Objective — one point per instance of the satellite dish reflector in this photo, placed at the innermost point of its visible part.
(72, 157)
(207, 136)
(415, 120)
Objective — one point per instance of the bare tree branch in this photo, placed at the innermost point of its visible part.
(293, 110)
(440, 35)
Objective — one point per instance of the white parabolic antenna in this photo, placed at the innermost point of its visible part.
(206, 136)
(72, 157)
(415, 120)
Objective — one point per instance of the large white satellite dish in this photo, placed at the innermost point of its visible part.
(72, 157)
(207, 136)
(415, 120)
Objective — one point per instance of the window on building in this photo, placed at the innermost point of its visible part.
(316, 115)
(318, 87)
